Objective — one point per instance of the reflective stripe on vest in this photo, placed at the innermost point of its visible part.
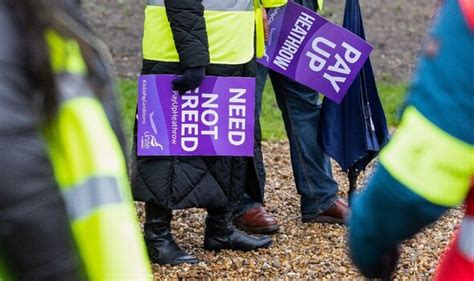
(90, 169)
(466, 238)
(215, 5)
(467, 6)
(466, 232)
(86, 197)
(230, 29)
(428, 161)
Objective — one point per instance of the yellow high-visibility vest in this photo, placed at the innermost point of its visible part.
(90, 169)
(273, 3)
(260, 36)
(429, 161)
(320, 4)
(259, 4)
(230, 28)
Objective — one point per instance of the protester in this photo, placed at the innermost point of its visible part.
(65, 207)
(195, 39)
(428, 166)
(300, 107)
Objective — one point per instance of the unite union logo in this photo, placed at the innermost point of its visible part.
(148, 139)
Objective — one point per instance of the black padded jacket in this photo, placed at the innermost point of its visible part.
(186, 182)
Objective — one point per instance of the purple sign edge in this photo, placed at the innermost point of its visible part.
(154, 78)
(283, 11)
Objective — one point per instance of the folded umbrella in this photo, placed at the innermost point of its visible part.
(353, 132)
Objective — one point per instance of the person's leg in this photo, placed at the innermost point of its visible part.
(250, 215)
(300, 107)
(221, 234)
(254, 185)
(160, 244)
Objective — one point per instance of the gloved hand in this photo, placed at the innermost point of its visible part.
(384, 268)
(191, 79)
(390, 261)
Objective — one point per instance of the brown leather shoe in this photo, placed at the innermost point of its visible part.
(337, 213)
(257, 220)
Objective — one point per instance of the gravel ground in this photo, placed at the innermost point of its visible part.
(396, 29)
(299, 250)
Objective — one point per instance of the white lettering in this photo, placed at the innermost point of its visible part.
(189, 144)
(294, 40)
(209, 121)
(189, 115)
(352, 55)
(340, 66)
(190, 101)
(211, 132)
(305, 17)
(236, 123)
(316, 63)
(237, 98)
(189, 129)
(237, 138)
(334, 80)
(235, 110)
(324, 41)
(211, 101)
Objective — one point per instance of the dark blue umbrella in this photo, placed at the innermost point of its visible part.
(353, 131)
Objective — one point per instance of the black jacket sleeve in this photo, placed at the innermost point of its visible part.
(187, 22)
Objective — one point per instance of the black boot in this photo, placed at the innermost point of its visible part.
(160, 244)
(221, 234)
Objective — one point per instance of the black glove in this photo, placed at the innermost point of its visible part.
(384, 268)
(390, 261)
(191, 79)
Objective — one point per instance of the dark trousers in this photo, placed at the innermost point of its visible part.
(300, 108)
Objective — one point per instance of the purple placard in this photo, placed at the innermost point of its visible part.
(313, 51)
(217, 119)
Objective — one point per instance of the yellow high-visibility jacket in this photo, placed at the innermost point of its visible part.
(230, 27)
(91, 171)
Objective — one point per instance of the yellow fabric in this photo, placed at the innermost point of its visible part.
(430, 162)
(83, 127)
(273, 3)
(230, 35)
(107, 240)
(59, 54)
(158, 42)
(320, 4)
(83, 146)
(260, 32)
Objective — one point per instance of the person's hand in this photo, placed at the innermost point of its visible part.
(266, 27)
(390, 261)
(190, 80)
